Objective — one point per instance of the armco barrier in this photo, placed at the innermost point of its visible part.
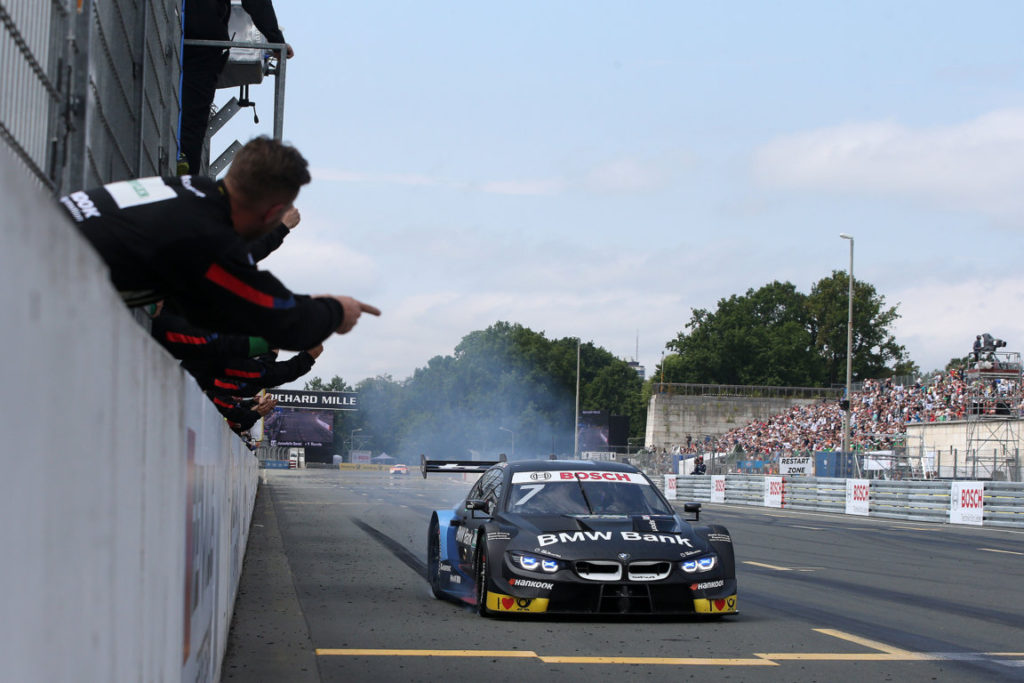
(125, 500)
(923, 501)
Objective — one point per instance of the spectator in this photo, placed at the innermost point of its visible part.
(698, 465)
(187, 240)
(201, 65)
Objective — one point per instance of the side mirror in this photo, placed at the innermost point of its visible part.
(474, 504)
(694, 509)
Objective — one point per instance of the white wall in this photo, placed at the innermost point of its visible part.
(98, 472)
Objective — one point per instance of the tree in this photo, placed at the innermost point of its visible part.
(761, 338)
(875, 351)
(336, 384)
(338, 418)
(504, 380)
(778, 336)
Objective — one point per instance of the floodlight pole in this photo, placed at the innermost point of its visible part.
(849, 353)
(576, 412)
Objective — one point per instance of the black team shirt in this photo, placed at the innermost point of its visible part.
(172, 238)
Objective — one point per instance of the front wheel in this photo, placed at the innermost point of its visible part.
(434, 559)
(482, 568)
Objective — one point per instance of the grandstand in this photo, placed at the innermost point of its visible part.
(984, 407)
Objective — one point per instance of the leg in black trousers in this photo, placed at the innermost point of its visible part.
(201, 66)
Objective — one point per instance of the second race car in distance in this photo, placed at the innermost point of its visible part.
(577, 537)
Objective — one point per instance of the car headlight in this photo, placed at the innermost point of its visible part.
(535, 563)
(701, 564)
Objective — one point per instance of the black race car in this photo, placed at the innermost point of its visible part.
(576, 537)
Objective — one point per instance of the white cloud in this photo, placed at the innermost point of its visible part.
(314, 266)
(625, 175)
(939, 320)
(975, 165)
(550, 187)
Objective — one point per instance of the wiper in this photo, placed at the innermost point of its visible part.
(576, 518)
(590, 508)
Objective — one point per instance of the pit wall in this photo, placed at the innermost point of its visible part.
(125, 500)
(670, 417)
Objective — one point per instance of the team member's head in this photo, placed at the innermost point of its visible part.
(263, 182)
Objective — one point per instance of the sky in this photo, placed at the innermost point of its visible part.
(599, 169)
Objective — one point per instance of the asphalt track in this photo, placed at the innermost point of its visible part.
(333, 590)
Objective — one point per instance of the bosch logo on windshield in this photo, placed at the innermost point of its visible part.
(596, 476)
(536, 476)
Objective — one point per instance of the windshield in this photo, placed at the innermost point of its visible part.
(584, 493)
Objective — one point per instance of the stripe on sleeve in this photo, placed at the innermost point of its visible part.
(223, 278)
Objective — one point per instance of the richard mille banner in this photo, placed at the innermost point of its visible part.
(315, 400)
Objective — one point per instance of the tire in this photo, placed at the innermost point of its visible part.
(482, 567)
(434, 559)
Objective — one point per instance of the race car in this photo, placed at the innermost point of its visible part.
(575, 537)
(399, 468)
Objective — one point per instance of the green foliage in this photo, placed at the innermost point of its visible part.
(760, 338)
(336, 384)
(505, 389)
(875, 351)
(778, 336)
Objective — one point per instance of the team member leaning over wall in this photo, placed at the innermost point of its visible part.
(186, 240)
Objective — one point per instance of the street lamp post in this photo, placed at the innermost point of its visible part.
(512, 451)
(576, 410)
(352, 442)
(849, 352)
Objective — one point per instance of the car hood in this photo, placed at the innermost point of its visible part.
(578, 536)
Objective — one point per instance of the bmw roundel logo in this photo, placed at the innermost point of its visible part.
(624, 557)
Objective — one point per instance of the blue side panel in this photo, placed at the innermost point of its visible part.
(452, 580)
(448, 548)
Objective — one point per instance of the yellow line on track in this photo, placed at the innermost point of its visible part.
(848, 656)
(873, 644)
(769, 566)
(425, 653)
(884, 653)
(673, 661)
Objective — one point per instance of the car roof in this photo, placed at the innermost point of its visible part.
(576, 465)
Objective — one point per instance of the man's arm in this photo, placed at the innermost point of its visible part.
(263, 15)
(261, 248)
(186, 341)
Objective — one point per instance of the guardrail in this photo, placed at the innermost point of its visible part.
(1001, 502)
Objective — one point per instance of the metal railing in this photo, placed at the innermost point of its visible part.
(89, 92)
(922, 501)
(31, 61)
(744, 391)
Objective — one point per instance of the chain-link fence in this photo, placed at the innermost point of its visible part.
(90, 89)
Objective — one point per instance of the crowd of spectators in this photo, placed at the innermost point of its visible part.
(879, 415)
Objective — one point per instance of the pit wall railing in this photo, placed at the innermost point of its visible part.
(991, 503)
(125, 499)
(90, 88)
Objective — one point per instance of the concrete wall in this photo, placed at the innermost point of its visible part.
(947, 441)
(670, 417)
(125, 500)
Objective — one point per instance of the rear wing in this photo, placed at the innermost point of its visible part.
(457, 465)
